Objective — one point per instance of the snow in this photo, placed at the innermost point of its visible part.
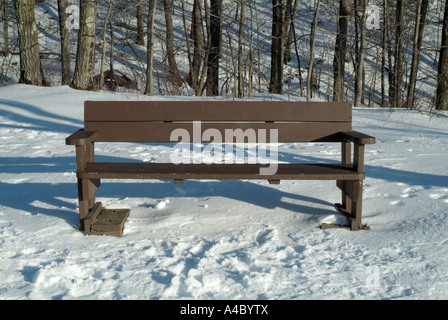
(219, 239)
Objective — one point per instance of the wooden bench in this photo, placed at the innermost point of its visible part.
(155, 122)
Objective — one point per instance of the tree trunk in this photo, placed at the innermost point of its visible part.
(30, 65)
(140, 31)
(289, 36)
(340, 50)
(104, 47)
(212, 82)
(384, 42)
(398, 56)
(85, 55)
(286, 27)
(5, 27)
(196, 34)
(240, 74)
(390, 74)
(113, 80)
(65, 43)
(309, 88)
(196, 38)
(442, 74)
(149, 90)
(276, 82)
(176, 78)
(418, 38)
(359, 80)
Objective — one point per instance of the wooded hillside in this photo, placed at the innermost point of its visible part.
(373, 53)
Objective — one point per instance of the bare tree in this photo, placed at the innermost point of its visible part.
(395, 88)
(340, 50)
(420, 18)
(441, 102)
(384, 47)
(240, 75)
(140, 31)
(276, 82)
(149, 90)
(359, 83)
(5, 27)
(85, 55)
(309, 87)
(104, 46)
(212, 82)
(65, 43)
(30, 64)
(290, 16)
(195, 37)
(176, 77)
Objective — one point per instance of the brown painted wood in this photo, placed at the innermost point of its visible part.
(157, 121)
(358, 157)
(93, 214)
(216, 111)
(110, 222)
(348, 189)
(89, 187)
(358, 137)
(80, 137)
(162, 132)
(286, 171)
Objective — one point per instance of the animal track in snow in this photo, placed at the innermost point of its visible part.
(411, 192)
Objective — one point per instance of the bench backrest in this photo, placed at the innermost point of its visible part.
(154, 121)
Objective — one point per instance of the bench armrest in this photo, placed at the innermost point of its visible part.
(357, 137)
(81, 137)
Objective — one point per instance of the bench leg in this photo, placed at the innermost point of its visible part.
(86, 195)
(351, 205)
(356, 206)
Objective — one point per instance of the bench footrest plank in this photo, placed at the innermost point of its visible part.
(285, 171)
(108, 222)
(324, 226)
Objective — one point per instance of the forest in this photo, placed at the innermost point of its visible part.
(376, 53)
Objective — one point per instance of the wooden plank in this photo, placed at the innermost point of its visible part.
(162, 132)
(110, 222)
(219, 171)
(93, 214)
(358, 137)
(346, 153)
(89, 187)
(358, 157)
(216, 111)
(349, 189)
(325, 226)
(80, 137)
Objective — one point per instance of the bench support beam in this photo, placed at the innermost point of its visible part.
(351, 205)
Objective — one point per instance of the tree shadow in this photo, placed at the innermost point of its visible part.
(60, 199)
(38, 119)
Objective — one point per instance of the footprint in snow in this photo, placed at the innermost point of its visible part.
(162, 204)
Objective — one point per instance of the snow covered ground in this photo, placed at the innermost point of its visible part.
(219, 239)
